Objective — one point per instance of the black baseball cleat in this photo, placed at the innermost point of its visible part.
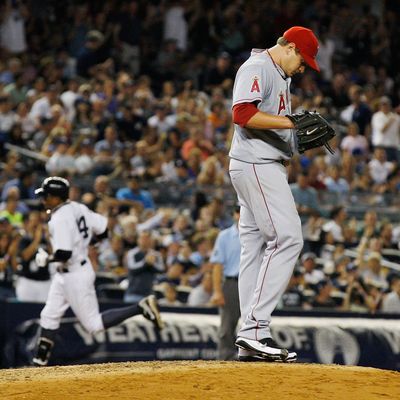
(43, 352)
(150, 311)
(266, 348)
(252, 356)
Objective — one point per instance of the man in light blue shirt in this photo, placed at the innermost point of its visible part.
(225, 259)
(305, 197)
(133, 192)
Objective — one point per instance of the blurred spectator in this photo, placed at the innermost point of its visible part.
(10, 210)
(211, 173)
(336, 223)
(369, 226)
(25, 184)
(353, 141)
(162, 121)
(305, 197)
(391, 301)
(358, 111)
(143, 263)
(8, 118)
(175, 24)
(69, 98)
(357, 298)
(203, 247)
(14, 13)
(221, 73)
(337, 91)
(84, 162)
(94, 56)
(334, 182)
(294, 296)
(311, 274)
(110, 143)
(13, 192)
(323, 297)
(343, 268)
(196, 141)
(386, 236)
(128, 31)
(373, 272)
(8, 249)
(325, 54)
(133, 192)
(170, 296)
(41, 108)
(111, 256)
(33, 283)
(379, 167)
(61, 160)
(386, 129)
(200, 295)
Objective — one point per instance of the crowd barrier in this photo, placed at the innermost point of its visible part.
(192, 334)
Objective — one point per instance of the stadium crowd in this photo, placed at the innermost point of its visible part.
(121, 97)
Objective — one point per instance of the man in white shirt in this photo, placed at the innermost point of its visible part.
(161, 120)
(379, 167)
(41, 108)
(391, 302)
(386, 129)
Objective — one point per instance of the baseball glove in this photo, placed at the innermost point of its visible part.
(312, 130)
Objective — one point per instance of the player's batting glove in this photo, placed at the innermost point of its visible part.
(42, 258)
(312, 130)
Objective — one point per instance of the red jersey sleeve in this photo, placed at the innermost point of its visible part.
(241, 113)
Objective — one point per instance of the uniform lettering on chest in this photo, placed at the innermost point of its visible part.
(282, 104)
(255, 87)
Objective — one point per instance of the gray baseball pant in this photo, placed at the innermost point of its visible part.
(271, 241)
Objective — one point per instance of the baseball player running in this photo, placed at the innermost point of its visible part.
(72, 227)
(269, 226)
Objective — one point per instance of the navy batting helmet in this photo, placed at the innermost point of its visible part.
(55, 186)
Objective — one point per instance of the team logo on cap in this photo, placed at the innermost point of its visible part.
(255, 87)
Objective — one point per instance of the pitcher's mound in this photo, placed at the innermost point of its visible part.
(200, 380)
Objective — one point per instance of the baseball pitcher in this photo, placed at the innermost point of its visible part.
(266, 136)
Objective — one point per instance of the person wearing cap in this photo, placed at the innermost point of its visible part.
(373, 272)
(385, 126)
(312, 275)
(323, 297)
(95, 54)
(294, 296)
(221, 74)
(262, 145)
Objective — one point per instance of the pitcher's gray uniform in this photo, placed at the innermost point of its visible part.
(269, 226)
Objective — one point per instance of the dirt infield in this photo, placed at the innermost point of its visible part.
(200, 380)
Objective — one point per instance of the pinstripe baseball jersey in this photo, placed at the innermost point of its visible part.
(71, 227)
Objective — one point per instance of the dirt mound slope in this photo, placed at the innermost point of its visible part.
(183, 380)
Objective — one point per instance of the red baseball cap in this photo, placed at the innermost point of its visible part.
(306, 42)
